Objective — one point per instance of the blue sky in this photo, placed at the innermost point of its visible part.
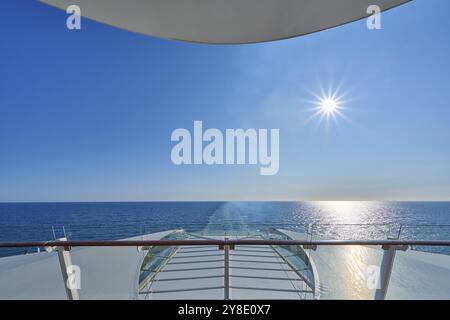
(87, 115)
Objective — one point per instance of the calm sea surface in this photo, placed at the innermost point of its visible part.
(331, 220)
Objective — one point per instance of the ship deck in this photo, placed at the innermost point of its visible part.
(198, 272)
(256, 272)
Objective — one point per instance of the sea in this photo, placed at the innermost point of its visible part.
(361, 220)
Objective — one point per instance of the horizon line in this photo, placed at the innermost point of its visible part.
(218, 200)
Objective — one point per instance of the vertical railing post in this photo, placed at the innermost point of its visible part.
(65, 263)
(387, 264)
(226, 250)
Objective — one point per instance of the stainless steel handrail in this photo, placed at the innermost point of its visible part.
(389, 246)
(213, 242)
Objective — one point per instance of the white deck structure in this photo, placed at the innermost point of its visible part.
(256, 272)
(106, 273)
(197, 272)
(344, 272)
(225, 21)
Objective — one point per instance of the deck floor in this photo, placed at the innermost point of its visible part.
(197, 272)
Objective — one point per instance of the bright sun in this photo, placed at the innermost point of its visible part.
(328, 105)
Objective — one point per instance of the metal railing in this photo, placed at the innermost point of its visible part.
(219, 242)
(63, 248)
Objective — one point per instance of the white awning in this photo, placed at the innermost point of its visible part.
(225, 21)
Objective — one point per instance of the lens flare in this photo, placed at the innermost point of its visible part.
(329, 105)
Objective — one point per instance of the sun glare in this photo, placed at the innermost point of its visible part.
(329, 105)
